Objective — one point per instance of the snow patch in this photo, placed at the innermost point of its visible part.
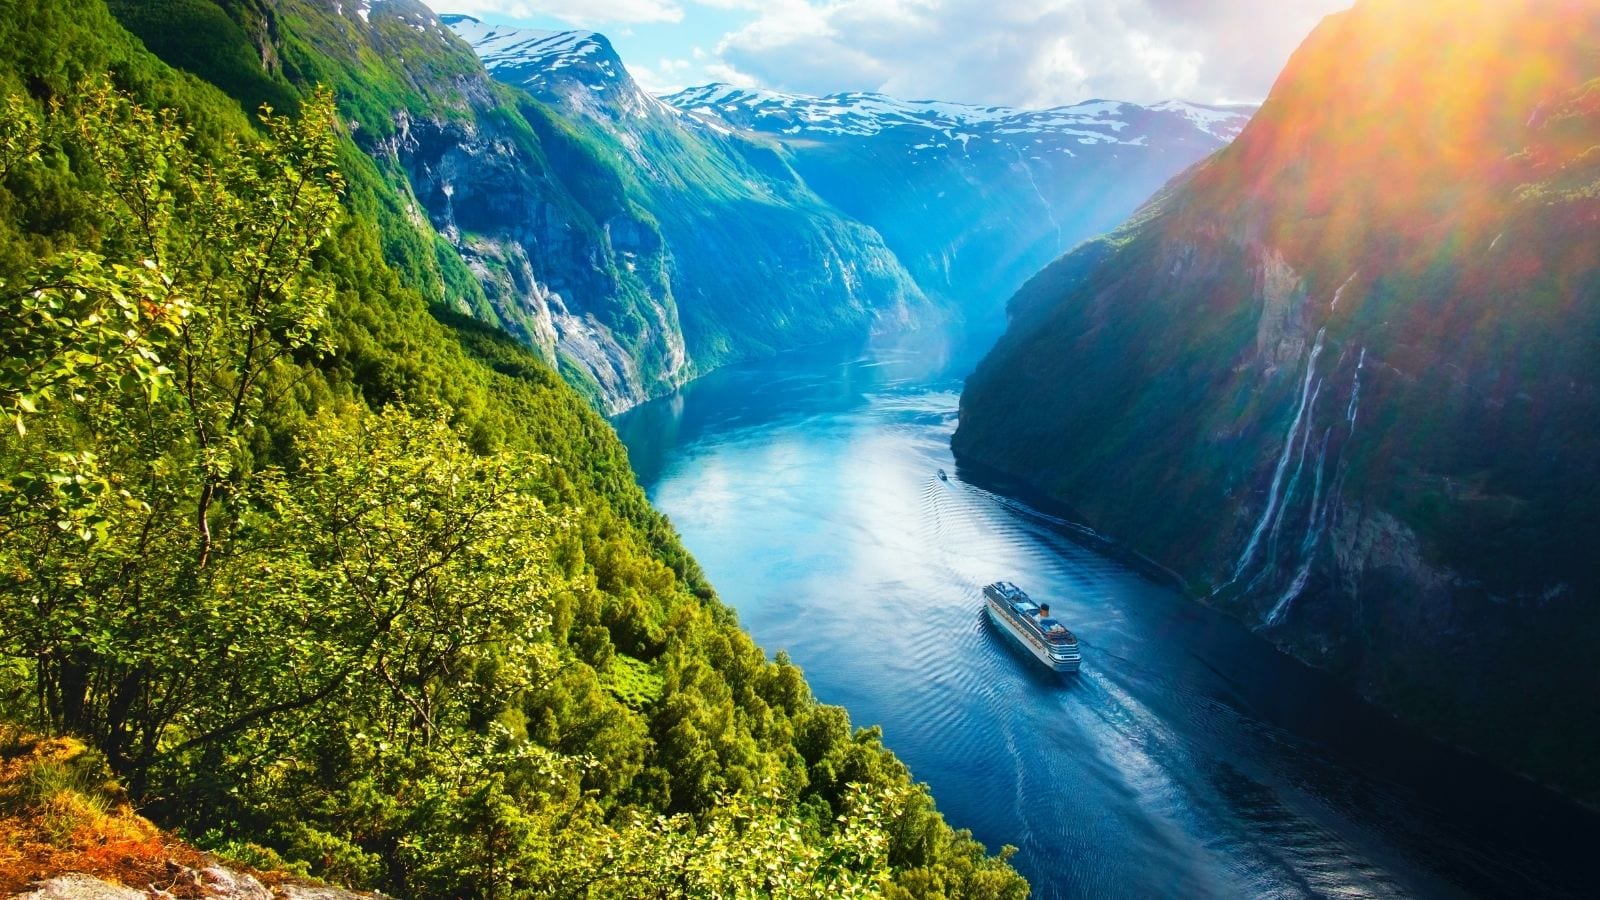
(862, 114)
(1222, 122)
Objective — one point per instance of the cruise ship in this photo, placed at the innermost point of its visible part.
(1030, 626)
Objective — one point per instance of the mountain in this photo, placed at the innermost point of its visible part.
(628, 251)
(973, 199)
(847, 213)
(504, 209)
(753, 260)
(368, 591)
(1343, 378)
(577, 69)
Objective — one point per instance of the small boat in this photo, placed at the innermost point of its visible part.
(943, 476)
(1030, 626)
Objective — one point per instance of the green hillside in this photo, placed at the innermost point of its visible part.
(756, 262)
(333, 575)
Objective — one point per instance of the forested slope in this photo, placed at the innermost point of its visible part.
(336, 576)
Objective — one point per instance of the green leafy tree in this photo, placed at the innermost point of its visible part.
(747, 846)
(101, 573)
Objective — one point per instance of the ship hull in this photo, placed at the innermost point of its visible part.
(1027, 642)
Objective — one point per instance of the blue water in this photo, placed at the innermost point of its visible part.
(1188, 758)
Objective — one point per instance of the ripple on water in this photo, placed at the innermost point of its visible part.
(1181, 761)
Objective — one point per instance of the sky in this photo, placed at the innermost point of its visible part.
(1024, 53)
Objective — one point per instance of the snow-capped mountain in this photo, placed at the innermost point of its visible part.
(576, 69)
(751, 260)
(971, 200)
(542, 54)
(868, 114)
(974, 199)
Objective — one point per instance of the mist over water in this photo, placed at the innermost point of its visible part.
(1188, 758)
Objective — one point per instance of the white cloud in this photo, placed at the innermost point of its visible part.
(1019, 52)
(726, 74)
(583, 13)
(665, 77)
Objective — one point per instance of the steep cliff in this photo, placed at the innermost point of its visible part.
(756, 260)
(583, 218)
(1344, 376)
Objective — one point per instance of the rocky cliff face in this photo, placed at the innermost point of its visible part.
(1343, 377)
(756, 261)
(579, 277)
(557, 252)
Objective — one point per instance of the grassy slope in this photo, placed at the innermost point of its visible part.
(61, 811)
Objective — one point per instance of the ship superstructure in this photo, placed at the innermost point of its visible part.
(1031, 627)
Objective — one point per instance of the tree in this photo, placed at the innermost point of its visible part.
(384, 638)
(749, 846)
(202, 281)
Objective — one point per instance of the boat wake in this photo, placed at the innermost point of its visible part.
(1176, 760)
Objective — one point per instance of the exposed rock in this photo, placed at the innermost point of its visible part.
(79, 887)
(1280, 335)
(213, 881)
(216, 881)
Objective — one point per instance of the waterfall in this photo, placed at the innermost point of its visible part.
(1308, 547)
(1283, 464)
(1340, 292)
(1318, 515)
(1294, 480)
(1049, 211)
(1355, 392)
(1281, 608)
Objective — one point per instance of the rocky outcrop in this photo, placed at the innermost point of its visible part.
(213, 881)
(1280, 335)
(1342, 376)
(79, 887)
(573, 282)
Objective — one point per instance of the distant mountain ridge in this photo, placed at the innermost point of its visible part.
(571, 65)
(864, 114)
(966, 201)
(1344, 377)
(973, 199)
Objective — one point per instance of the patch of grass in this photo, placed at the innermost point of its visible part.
(633, 682)
(60, 811)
